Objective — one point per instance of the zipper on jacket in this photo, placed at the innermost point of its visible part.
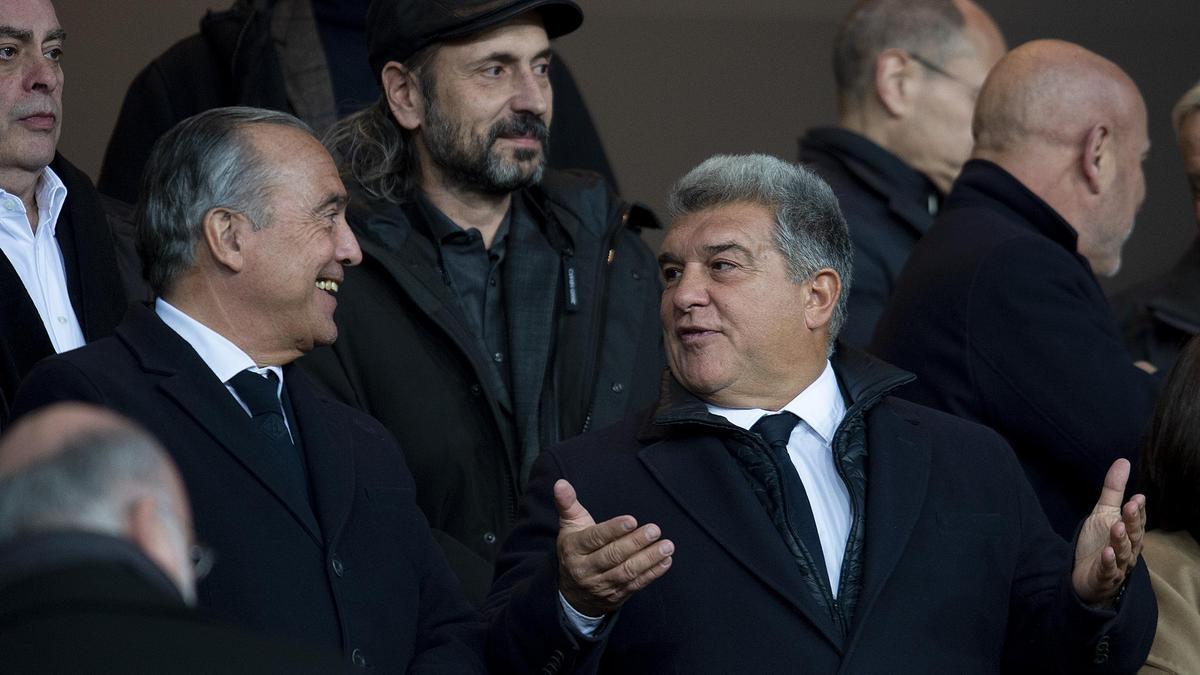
(602, 277)
(570, 282)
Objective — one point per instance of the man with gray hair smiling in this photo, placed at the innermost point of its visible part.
(779, 509)
(96, 556)
(307, 501)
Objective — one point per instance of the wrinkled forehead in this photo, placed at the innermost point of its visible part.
(742, 224)
(28, 20)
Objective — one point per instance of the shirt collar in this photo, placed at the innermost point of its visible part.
(442, 227)
(223, 357)
(820, 406)
(50, 195)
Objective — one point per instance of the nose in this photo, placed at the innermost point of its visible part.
(346, 247)
(532, 93)
(690, 290)
(42, 74)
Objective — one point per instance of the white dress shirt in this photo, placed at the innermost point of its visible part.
(223, 357)
(820, 408)
(38, 260)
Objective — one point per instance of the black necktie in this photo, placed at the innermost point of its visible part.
(261, 395)
(776, 430)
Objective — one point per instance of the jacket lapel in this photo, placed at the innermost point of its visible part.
(83, 234)
(330, 463)
(189, 382)
(694, 469)
(897, 482)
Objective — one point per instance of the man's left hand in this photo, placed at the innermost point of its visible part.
(1110, 541)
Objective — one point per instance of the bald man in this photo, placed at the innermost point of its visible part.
(96, 557)
(908, 73)
(998, 311)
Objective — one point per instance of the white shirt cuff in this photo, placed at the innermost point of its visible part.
(583, 624)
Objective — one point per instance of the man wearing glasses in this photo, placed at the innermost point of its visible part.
(907, 76)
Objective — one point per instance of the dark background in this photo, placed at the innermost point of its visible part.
(671, 82)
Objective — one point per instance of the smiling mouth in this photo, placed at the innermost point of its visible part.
(328, 285)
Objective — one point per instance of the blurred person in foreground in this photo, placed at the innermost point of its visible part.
(97, 559)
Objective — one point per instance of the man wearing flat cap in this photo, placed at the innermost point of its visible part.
(500, 306)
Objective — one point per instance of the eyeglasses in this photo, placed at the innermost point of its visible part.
(202, 558)
(937, 70)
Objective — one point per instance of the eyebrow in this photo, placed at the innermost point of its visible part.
(25, 35)
(338, 199)
(710, 250)
(509, 57)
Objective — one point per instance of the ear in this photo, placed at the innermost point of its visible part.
(894, 81)
(146, 531)
(225, 233)
(404, 96)
(825, 288)
(1096, 148)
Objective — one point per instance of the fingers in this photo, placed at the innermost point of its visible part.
(598, 579)
(570, 512)
(1134, 516)
(1119, 542)
(1113, 491)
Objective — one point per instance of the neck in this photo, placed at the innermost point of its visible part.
(23, 185)
(781, 391)
(216, 306)
(1047, 175)
(468, 208)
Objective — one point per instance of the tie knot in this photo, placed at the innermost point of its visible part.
(259, 393)
(776, 429)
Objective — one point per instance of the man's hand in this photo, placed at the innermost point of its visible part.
(601, 566)
(1110, 541)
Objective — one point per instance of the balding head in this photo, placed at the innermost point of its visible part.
(1071, 126)
(77, 467)
(1185, 116)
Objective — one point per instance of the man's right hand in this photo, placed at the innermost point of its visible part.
(602, 566)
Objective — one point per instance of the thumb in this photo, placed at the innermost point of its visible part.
(571, 514)
(1113, 492)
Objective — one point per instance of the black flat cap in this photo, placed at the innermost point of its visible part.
(397, 29)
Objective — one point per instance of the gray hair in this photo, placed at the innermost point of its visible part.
(89, 485)
(1187, 104)
(932, 29)
(373, 151)
(202, 163)
(810, 231)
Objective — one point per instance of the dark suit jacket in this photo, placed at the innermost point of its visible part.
(887, 207)
(364, 576)
(961, 573)
(94, 284)
(88, 603)
(1004, 324)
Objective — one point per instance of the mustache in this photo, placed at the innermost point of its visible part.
(37, 107)
(521, 124)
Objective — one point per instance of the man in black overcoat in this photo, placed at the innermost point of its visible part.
(307, 502)
(999, 312)
(793, 515)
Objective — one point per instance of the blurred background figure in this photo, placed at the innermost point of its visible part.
(305, 57)
(1160, 316)
(907, 74)
(1171, 481)
(97, 558)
